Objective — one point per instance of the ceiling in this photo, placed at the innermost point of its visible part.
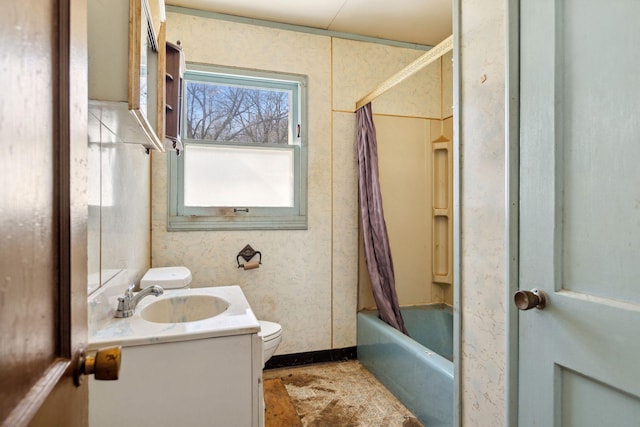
(425, 22)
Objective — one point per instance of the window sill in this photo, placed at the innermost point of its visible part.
(201, 223)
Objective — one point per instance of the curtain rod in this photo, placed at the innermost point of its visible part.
(431, 55)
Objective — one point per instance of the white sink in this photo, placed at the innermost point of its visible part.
(177, 315)
(185, 308)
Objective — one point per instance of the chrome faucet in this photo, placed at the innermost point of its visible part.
(127, 303)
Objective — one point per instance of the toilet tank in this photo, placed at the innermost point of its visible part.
(167, 277)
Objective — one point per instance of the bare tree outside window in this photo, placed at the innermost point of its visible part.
(236, 114)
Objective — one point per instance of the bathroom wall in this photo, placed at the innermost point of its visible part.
(483, 212)
(308, 279)
(289, 287)
(118, 238)
(406, 181)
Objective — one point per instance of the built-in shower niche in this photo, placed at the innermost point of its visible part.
(442, 217)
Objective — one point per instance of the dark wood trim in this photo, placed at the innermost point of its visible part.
(64, 178)
(135, 17)
(33, 400)
(40, 388)
(311, 357)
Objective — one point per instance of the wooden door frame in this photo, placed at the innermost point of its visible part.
(70, 135)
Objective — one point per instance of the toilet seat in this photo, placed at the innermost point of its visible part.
(269, 330)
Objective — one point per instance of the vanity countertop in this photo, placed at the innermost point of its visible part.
(106, 330)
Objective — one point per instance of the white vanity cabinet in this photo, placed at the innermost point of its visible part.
(196, 373)
(125, 59)
(208, 382)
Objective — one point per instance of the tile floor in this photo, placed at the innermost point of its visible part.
(341, 394)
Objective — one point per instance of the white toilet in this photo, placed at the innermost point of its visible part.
(271, 334)
(180, 278)
(167, 278)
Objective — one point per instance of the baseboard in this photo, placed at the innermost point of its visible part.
(311, 357)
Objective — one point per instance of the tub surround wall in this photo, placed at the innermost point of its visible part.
(308, 279)
(404, 158)
(406, 179)
(445, 291)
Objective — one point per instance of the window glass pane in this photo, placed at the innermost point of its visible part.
(219, 112)
(238, 176)
(245, 146)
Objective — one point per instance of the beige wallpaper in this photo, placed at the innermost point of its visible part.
(293, 286)
(447, 85)
(308, 280)
(359, 67)
(483, 257)
(345, 229)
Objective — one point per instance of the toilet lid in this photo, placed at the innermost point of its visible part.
(269, 330)
(166, 277)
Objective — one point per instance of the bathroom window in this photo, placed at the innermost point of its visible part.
(244, 159)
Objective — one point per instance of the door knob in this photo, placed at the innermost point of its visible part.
(526, 300)
(104, 365)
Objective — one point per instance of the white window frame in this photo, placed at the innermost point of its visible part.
(185, 218)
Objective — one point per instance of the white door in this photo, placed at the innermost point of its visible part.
(579, 357)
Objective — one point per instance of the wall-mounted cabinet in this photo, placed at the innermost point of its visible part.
(175, 67)
(124, 64)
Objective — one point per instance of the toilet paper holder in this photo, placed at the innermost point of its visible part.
(248, 253)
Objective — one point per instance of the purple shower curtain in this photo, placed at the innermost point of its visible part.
(374, 230)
